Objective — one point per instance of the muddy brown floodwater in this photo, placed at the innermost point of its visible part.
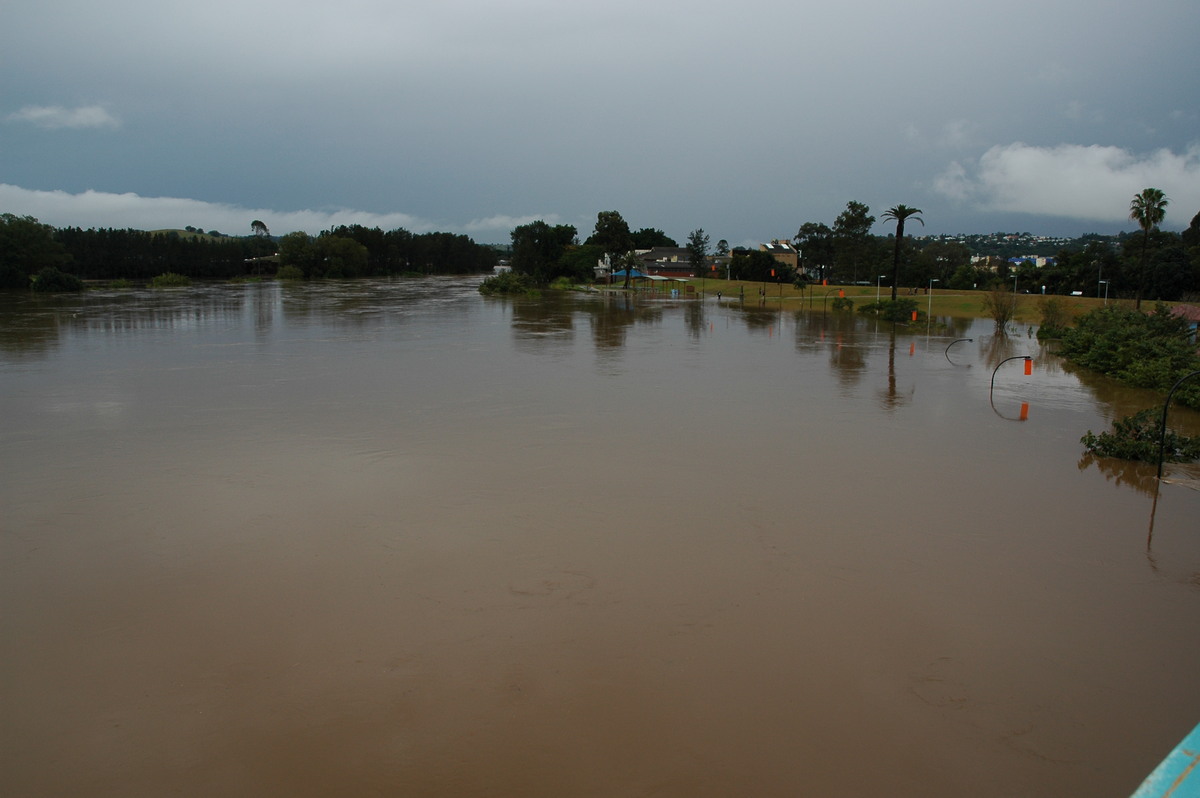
(395, 538)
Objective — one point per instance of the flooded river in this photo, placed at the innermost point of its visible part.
(396, 538)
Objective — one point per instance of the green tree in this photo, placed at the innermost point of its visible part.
(259, 229)
(814, 242)
(941, 260)
(649, 238)
(1148, 209)
(757, 265)
(26, 247)
(900, 214)
(297, 250)
(852, 238)
(697, 249)
(340, 258)
(723, 245)
(537, 249)
(613, 236)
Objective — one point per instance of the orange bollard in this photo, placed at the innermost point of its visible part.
(1028, 367)
(1024, 411)
(914, 315)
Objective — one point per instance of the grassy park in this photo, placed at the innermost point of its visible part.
(944, 302)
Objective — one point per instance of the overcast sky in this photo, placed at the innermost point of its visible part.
(746, 119)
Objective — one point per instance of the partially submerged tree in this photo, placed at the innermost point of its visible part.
(1001, 305)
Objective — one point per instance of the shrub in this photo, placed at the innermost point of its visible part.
(898, 309)
(508, 283)
(1136, 437)
(842, 303)
(170, 280)
(1145, 350)
(289, 272)
(12, 277)
(1054, 319)
(51, 280)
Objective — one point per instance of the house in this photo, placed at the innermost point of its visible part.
(782, 251)
(666, 262)
(1191, 315)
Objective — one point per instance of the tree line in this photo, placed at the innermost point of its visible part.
(357, 251)
(27, 247)
(1149, 263)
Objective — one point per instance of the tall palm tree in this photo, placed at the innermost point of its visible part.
(1147, 209)
(900, 213)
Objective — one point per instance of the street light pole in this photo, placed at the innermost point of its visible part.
(929, 313)
(877, 282)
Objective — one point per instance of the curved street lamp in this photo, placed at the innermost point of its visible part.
(959, 341)
(1162, 433)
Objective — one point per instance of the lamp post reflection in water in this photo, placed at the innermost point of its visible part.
(1024, 405)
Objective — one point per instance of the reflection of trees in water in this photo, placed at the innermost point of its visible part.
(612, 317)
(541, 323)
(27, 330)
(999, 348)
(36, 322)
(808, 328)
(847, 358)
(1127, 473)
(694, 319)
(956, 326)
(759, 318)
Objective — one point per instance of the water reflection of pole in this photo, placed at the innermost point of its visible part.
(929, 312)
(959, 341)
(1162, 433)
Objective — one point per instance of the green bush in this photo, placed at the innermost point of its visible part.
(170, 280)
(13, 278)
(1137, 437)
(1055, 319)
(508, 283)
(899, 309)
(289, 272)
(1145, 350)
(842, 303)
(51, 280)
